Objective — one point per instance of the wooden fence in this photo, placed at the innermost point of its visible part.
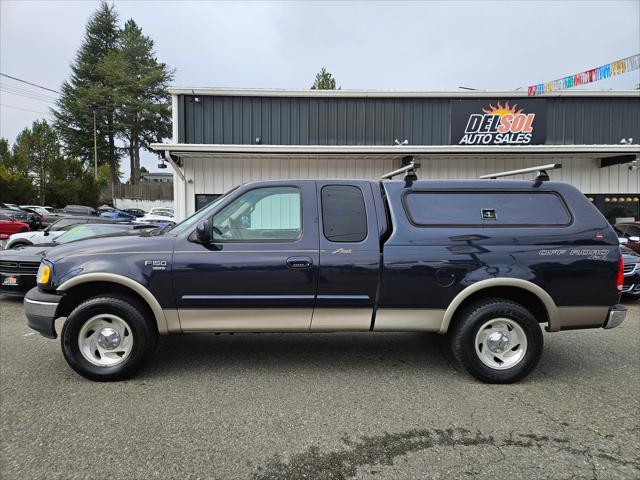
(142, 191)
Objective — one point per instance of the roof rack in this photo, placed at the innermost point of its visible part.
(410, 168)
(540, 171)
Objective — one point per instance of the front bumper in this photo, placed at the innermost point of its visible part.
(40, 309)
(616, 316)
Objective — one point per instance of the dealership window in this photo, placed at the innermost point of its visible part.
(617, 207)
(204, 199)
(503, 209)
(262, 214)
(344, 216)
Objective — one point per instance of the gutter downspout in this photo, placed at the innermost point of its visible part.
(169, 158)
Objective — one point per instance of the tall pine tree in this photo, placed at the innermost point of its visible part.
(144, 114)
(91, 87)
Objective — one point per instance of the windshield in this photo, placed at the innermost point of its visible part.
(83, 231)
(199, 215)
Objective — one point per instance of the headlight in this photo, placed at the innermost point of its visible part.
(44, 274)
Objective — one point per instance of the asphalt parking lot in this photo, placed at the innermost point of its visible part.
(293, 406)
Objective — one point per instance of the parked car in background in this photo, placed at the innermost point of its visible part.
(48, 214)
(54, 230)
(18, 267)
(34, 218)
(136, 212)
(14, 211)
(631, 286)
(159, 214)
(116, 214)
(79, 210)
(9, 225)
(631, 232)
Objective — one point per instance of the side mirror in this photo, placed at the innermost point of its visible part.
(634, 239)
(203, 231)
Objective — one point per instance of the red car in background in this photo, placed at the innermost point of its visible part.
(631, 232)
(9, 226)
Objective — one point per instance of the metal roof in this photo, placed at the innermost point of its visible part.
(283, 92)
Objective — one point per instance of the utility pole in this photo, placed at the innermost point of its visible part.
(95, 142)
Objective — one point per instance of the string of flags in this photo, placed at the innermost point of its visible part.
(600, 73)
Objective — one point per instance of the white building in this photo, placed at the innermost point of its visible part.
(223, 137)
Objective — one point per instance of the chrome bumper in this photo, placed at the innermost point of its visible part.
(616, 316)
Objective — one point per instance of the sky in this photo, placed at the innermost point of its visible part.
(365, 45)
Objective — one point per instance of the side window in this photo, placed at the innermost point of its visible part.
(633, 231)
(486, 209)
(344, 216)
(263, 214)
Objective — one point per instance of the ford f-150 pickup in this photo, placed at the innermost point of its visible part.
(484, 261)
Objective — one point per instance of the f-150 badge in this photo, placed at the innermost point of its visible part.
(156, 264)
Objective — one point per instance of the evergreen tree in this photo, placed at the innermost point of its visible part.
(144, 114)
(324, 81)
(15, 183)
(37, 148)
(90, 87)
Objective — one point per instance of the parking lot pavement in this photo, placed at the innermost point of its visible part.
(289, 406)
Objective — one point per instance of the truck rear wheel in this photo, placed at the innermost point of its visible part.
(107, 338)
(497, 340)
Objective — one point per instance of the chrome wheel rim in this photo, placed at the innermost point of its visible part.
(501, 343)
(105, 340)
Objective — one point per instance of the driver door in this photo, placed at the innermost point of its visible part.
(260, 271)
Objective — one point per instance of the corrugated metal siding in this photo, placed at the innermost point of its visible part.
(312, 121)
(221, 173)
(218, 174)
(594, 120)
(379, 121)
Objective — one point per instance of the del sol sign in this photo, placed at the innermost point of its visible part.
(499, 121)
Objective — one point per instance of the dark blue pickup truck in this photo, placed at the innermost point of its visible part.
(484, 261)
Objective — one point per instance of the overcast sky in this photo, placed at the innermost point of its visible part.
(389, 46)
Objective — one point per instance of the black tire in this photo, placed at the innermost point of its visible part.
(145, 337)
(469, 322)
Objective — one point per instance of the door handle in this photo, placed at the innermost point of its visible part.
(299, 262)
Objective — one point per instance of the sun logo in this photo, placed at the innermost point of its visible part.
(502, 110)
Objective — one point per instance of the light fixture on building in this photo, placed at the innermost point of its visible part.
(258, 140)
(607, 200)
(404, 142)
(162, 164)
(633, 166)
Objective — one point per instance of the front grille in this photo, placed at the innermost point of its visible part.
(629, 268)
(17, 267)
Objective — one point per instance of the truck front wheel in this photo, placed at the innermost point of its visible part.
(497, 340)
(107, 338)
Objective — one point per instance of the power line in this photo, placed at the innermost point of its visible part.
(29, 83)
(24, 109)
(27, 96)
(26, 91)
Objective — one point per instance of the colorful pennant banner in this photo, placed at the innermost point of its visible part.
(605, 71)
